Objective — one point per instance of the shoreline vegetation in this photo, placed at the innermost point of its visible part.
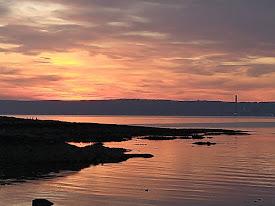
(32, 149)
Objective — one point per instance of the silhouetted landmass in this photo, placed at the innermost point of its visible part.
(27, 131)
(138, 107)
(32, 161)
(42, 202)
(31, 149)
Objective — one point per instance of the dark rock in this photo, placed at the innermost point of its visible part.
(139, 155)
(41, 202)
(205, 143)
(196, 136)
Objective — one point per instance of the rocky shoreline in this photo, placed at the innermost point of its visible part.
(31, 149)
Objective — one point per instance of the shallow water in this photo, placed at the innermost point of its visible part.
(239, 170)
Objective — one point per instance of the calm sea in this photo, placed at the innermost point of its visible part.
(238, 170)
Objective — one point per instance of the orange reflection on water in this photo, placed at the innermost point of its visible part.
(236, 171)
(181, 173)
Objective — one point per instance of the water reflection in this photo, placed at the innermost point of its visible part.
(166, 121)
(179, 174)
(236, 171)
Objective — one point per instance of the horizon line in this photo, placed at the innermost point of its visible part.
(57, 100)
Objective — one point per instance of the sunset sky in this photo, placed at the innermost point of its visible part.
(147, 49)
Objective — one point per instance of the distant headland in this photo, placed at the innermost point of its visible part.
(137, 107)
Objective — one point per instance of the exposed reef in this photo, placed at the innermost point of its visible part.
(41, 202)
(205, 143)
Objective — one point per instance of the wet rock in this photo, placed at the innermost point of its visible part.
(139, 155)
(205, 143)
(41, 202)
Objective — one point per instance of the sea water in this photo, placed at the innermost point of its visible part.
(238, 170)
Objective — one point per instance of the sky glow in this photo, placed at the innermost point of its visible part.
(103, 49)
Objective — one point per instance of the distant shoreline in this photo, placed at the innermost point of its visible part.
(137, 107)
